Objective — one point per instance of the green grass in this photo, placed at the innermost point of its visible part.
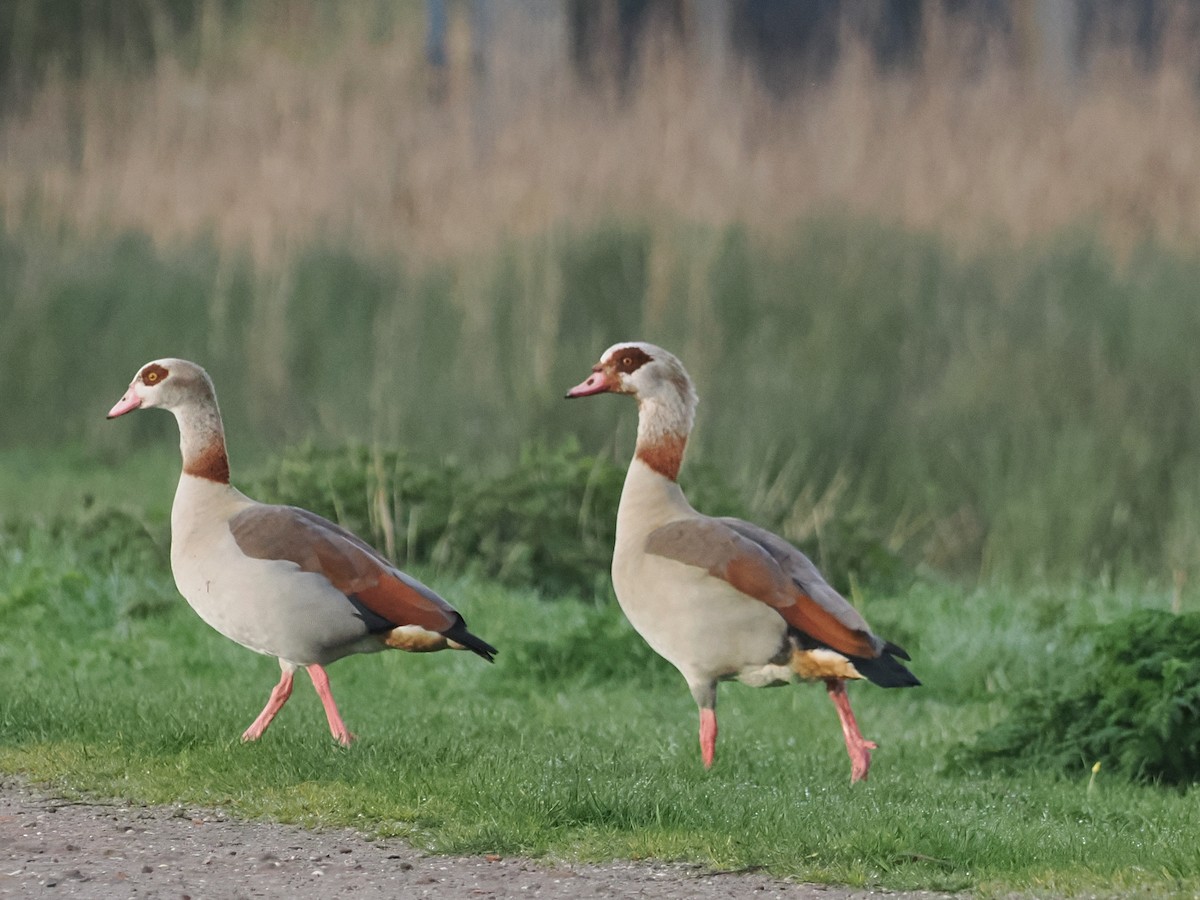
(578, 743)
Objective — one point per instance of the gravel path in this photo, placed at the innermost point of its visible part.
(50, 847)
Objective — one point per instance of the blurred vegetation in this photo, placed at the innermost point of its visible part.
(37, 36)
(1020, 413)
(1133, 706)
(547, 521)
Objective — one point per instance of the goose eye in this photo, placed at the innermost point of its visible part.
(630, 360)
(153, 375)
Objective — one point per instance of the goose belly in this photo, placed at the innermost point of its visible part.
(269, 606)
(698, 623)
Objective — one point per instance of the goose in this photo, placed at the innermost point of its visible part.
(279, 580)
(719, 598)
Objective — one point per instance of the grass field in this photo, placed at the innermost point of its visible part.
(579, 742)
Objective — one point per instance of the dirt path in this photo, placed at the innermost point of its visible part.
(60, 848)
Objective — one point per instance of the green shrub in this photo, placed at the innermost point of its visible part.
(116, 537)
(1134, 706)
(103, 538)
(599, 647)
(74, 574)
(548, 521)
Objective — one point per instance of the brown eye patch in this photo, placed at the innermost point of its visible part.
(630, 359)
(153, 374)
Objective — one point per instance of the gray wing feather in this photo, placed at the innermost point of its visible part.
(801, 570)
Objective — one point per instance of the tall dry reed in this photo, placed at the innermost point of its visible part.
(274, 137)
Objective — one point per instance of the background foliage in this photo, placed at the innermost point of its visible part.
(1021, 413)
(1133, 704)
(547, 521)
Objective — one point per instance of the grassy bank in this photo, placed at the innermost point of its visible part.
(578, 743)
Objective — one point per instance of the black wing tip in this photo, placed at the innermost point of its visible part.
(477, 645)
(886, 671)
(487, 651)
(911, 681)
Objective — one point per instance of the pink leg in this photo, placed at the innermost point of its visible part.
(336, 726)
(279, 696)
(857, 746)
(708, 735)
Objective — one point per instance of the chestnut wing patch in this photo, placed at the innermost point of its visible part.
(800, 569)
(747, 565)
(317, 545)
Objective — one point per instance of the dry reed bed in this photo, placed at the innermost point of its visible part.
(265, 146)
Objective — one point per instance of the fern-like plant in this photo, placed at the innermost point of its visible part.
(1134, 706)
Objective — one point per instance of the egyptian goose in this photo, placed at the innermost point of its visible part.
(279, 580)
(721, 599)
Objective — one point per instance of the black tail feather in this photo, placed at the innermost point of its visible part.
(459, 634)
(885, 670)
